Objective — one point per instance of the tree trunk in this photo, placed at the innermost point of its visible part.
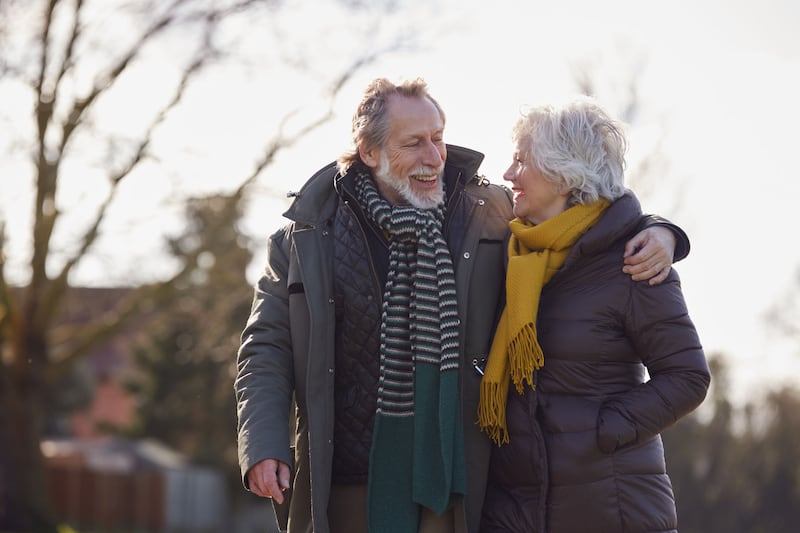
(25, 505)
(11, 519)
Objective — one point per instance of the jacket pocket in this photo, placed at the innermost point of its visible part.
(613, 430)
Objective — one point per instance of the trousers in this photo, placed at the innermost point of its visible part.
(347, 513)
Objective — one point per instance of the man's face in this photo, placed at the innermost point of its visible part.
(409, 168)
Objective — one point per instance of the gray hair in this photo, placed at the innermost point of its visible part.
(371, 120)
(578, 146)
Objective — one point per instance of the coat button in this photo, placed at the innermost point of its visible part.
(466, 255)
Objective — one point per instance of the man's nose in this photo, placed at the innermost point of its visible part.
(433, 156)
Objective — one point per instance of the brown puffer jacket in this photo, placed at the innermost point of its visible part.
(585, 454)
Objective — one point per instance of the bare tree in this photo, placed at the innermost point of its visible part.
(70, 57)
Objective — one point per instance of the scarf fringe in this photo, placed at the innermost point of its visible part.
(492, 410)
(525, 356)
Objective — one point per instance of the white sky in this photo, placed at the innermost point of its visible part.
(717, 80)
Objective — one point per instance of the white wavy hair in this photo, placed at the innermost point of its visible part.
(576, 145)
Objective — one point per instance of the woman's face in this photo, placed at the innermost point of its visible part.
(535, 197)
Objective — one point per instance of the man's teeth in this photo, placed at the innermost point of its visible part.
(424, 178)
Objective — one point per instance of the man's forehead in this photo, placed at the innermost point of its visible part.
(414, 116)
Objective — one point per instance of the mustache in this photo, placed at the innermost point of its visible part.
(427, 171)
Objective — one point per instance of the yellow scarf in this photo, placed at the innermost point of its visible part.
(535, 253)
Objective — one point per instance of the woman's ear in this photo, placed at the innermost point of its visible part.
(563, 188)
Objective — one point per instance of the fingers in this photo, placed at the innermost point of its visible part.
(256, 479)
(645, 270)
(646, 259)
(648, 263)
(649, 259)
(661, 276)
(643, 250)
(633, 245)
(653, 272)
(268, 479)
(283, 476)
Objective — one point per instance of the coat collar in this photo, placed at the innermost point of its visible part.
(619, 221)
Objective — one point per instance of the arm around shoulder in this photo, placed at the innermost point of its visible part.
(682, 244)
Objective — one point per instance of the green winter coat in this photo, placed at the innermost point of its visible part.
(287, 350)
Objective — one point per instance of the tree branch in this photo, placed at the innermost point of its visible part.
(281, 140)
(60, 282)
(76, 342)
(85, 337)
(44, 218)
(44, 107)
(66, 63)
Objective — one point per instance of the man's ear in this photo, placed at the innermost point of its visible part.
(370, 157)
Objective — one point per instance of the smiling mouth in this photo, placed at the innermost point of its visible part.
(424, 178)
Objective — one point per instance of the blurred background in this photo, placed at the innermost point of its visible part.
(146, 149)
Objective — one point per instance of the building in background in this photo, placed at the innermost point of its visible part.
(100, 482)
(110, 484)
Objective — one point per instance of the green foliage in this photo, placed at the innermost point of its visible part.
(183, 384)
(739, 472)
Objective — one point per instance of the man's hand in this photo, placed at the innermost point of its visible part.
(268, 479)
(648, 256)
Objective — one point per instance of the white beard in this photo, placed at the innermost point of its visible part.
(418, 199)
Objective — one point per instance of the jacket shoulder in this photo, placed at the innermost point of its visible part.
(494, 203)
(316, 199)
(497, 196)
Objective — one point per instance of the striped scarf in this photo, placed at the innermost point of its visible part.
(417, 455)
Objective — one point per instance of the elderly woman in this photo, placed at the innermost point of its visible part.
(565, 395)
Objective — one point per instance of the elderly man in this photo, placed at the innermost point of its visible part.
(359, 368)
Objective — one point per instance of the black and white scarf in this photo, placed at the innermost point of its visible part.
(417, 455)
